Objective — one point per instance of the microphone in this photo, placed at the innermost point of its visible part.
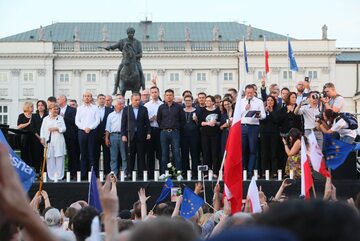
(128, 102)
(249, 101)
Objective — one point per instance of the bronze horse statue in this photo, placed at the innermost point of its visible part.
(129, 74)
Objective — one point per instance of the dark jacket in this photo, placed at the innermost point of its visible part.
(138, 128)
(100, 129)
(69, 119)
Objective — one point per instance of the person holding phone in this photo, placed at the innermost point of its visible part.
(292, 145)
(252, 111)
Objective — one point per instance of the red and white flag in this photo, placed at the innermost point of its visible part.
(233, 162)
(253, 195)
(306, 176)
(266, 54)
(317, 157)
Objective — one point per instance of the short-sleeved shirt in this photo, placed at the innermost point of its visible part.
(341, 127)
(338, 102)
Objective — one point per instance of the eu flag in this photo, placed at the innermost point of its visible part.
(165, 191)
(94, 199)
(26, 174)
(336, 151)
(246, 59)
(293, 65)
(190, 203)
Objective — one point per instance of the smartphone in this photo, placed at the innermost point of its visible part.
(203, 168)
(290, 181)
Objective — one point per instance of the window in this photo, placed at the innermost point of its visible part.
(3, 77)
(201, 76)
(287, 75)
(228, 76)
(28, 91)
(28, 77)
(147, 76)
(91, 78)
(64, 78)
(4, 91)
(4, 114)
(174, 77)
(261, 74)
(312, 74)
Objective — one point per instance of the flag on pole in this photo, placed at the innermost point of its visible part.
(316, 156)
(266, 54)
(25, 173)
(293, 65)
(190, 203)
(306, 176)
(336, 151)
(253, 195)
(94, 198)
(165, 190)
(233, 162)
(245, 58)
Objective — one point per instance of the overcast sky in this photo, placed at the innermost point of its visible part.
(300, 19)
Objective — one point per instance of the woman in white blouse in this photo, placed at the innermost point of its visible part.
(53, 125)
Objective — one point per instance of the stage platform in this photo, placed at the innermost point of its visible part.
(62, 194)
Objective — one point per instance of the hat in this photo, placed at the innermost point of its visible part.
(53, 217)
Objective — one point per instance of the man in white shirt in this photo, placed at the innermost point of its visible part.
(153, 145)
(113, 138)
(87, 119)
(252, 110)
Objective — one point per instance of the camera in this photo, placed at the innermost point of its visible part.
(203, 168)
(307, 79)
(316, 96)
(319, 118)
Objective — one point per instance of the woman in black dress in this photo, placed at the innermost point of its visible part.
(209, 121)
(27, 137)
(37, 119)
(225, 122)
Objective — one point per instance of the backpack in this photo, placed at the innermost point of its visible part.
(350, 119)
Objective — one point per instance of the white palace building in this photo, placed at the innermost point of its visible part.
(68, 58)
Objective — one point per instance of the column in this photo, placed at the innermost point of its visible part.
(14, 93)
(215, 72)
(187, 82)
(79, 89)
(161, 81)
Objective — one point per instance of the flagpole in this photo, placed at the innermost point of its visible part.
(244, 62)
(265, 57)
(313, 189)
(288, 60)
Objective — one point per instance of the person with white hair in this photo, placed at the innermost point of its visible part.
(51, 131)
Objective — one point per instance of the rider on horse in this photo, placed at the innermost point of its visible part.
(138, 52)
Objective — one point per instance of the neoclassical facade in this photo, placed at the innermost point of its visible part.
(69, 58)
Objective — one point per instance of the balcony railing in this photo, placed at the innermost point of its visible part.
(150, 46)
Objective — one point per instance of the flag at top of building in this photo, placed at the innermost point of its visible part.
(245, 58)
(293, 65)
(233, 162)
(266, 54)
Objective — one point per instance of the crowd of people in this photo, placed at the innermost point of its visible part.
(187, 131)
(279, 218)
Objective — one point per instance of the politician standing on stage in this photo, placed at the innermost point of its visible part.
(87, 119)
(70, 135)
(135, 124)
(100, 136)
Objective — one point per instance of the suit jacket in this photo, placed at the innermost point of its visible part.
(100, 129)
(69, 119)
(138, 128)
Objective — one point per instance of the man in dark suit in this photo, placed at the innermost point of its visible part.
(135, 126)
(70, 135)
(100, 136)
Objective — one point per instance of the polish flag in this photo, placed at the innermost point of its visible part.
(253, 195)
(306, 176)
(266, 54)
(233, 162)
(317, 157)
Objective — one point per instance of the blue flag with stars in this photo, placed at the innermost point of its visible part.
(165, 191)
(246, 58)
(293, 65)
(190, 203)
(336, 151)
